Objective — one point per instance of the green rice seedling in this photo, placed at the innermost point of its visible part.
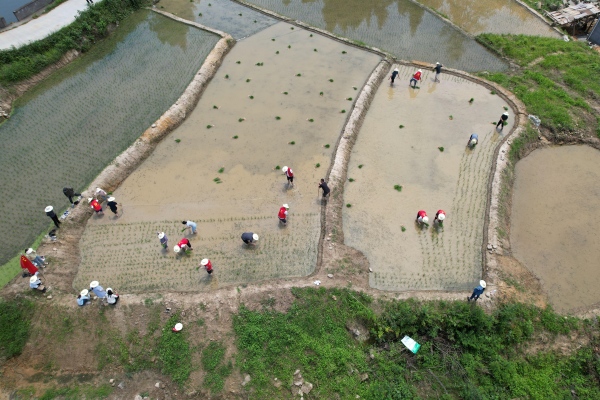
(298, 74)
(241, 119)
(402, 228)
(200, 14)
(289, 46)
(311, 35)
(238, 62)
(310, 120)
(236, 136)
(317, 165)
(215, 107)
(254, 21)
(227, 76)
(351, 179)
(326, 146)
(472, 100)
(278, 118)
(348, 205)
(177, 140)
(354, 87)
(292, 28)
(398, 188)
(277, 52)
(343, 111)
(240, 14)
(505, 108)
(493, 92)
(349, 98)
(343, 51)
(248, 80)
(441, 149)
(450, 117)
(331, 80)
(277, 167)
(314, 49)
(401, 126)
(292, 143)
(360, 166)
(209, 4)
(320, 93)
(251, 97)
(209, 126)
(216, 179)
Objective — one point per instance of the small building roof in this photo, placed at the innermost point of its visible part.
(571, 14)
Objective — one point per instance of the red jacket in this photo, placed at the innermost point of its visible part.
(421, 214)
(289, 173)
(282, 213)
(208, 266)
(95, 205)
(417, 76)
(183, 242)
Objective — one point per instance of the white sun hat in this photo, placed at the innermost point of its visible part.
(442, 217)
(396, 69)
(420, 71)
(90, 199)
(33, 279)
(99, 190)
(161, 235)
(284, 169)
(84, 292)
(254, 236)
(482, 283)
(473, 142)
(204, 262)
(94, 284)
(111, 198)
(176, 249)
(286, 206)
(425, 219)
(506, 113)
(48, 209)
(29, 251)
(437, 63)
(178, 327)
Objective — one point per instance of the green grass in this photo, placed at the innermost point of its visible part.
(215, 367)
(174, 352)
(77, 392)
(15, 324)
(13, 267)
(398, 188)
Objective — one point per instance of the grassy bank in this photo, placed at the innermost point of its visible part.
(557, 81)
(15, 323)
(91, 25)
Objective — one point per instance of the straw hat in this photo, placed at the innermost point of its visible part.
(111, 198)
(33, 279)
(94, 284)
(506, 113)
(254, 236)
(90, 199)
(437, 63)
(48, 209)
(286, 206)
(284, 169)
(84, 292)
(29, 251)
(176, 249)
(426, 219)
(161, 235)
(473, 142)
(99, 190)
(482, 284)
(442, 217)
(178, 327)
(204, 262)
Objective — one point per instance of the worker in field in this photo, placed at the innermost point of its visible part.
(422, 217)
(502, 121)
(289, 174)
(95, 205)
(112, 204)
(323, 185)
(83, 298)
(250, 238)
(207, 265)
(478, 291)
(111, 297)
(36, 283)
(415, 78)
(394, 75)
(163, 239)
(283, 212)
(70, 193)
(440, 216)
(190, 224)
(184, 244)
(50, 212)
(38, 260)
(473, 140)
(97, 290)
(101, 195)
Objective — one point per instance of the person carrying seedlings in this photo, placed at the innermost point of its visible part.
(163, 239)
(97, 290)
(70, 193)
(323, 185)
(184, 244)
(438, 71)
(111, 297)
(28, 268)
(478, 291)
(101, 195)
(191, 225)
(283, 212)
(440, 216)
(95, 205)
(502, 120)
(289, 175)
(112, 204)
(83, 298)
(36, 283)
(394, 75)
(206, 264)
(415, 78)
(422, 217)
(473, 140)
(39, 261)
(50, 212)
(249, 238)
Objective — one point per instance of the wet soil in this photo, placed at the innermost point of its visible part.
(456, 180)
(553, 234)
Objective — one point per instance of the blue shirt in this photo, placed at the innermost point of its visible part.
(164, 240)
(81, 300)
(474, 136)
(191, 225)
(35, 284)
(99, 291)
(478, 290)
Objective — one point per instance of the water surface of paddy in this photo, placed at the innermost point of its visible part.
(553, 223)
(67, 129)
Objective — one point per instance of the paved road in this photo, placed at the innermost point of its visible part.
(43, 26)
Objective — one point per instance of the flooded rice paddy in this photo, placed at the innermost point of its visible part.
(491, 16)
(256, 106)
(553, 223)
(66, 130)
(400, 27)
(224, 15)
(381, 220)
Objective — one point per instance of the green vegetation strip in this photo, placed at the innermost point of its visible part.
(174, 352)
(465, 353)
(15, 323)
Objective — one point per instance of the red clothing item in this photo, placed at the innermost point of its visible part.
(28, 265)
(417, 75)
(421, 214)
(95, 205)
(208, 266)
(440, 212)
(184, 242)
(289, 173)
(282, 213)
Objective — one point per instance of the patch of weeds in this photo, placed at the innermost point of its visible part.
(311, 35)
(216, 369)
(238, 62)
(314, 49)
(148, 302)
(360, 166)
(493, 92)
(251, 97)
(209, 126)
(268, 302)
(217, 180)
(273, 39)
(226, 76)
(286, 93)
(260, 64)
(241, 119)
(331, 80)
(402, 228)
(177, 140)
(199, 14)
(200, 322)
(15, 326)
(248, 80)
(320, 93)
(298, 74)
(348, 205)
(215, 107)
(277, 117)
(235, 137)
(343, 51)
(310, 120)
(354, 87)
(292, 28)
(505, 108)
(292, 143)
(351, 179)
(441, 149)
(343, 112)
(277, 167)
(221, 170)
(349, 98)
(398, 188)
(472, 100)
(240, 14)
(326, 146)
(401, 126)
(174, 352)
(317, 165)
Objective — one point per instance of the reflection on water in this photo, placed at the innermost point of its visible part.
(399, 26)
(495, 16)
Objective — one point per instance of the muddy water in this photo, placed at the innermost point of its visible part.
(493, 16)
(454, 180)
(225, 15)
(401, 27)
(177, 180)
(66, 130)
(553, 229)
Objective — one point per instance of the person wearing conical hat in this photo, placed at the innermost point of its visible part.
(422, 217)
(283, 212)
(192, 225)
(97, 289)
(478, 291)
(473, 140)
(289, 174)
(394, 75)
(184, 244)
(34, 258)
(100, 194)
(438, 71)
(111, 202)
(95, 205)
(70, 193)
(36, 283)
(415, 78)
(207, 265)
(50, 212)
(440, 216)
(249, 237)
(164, 240)
(83, 298)
(502, 121)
